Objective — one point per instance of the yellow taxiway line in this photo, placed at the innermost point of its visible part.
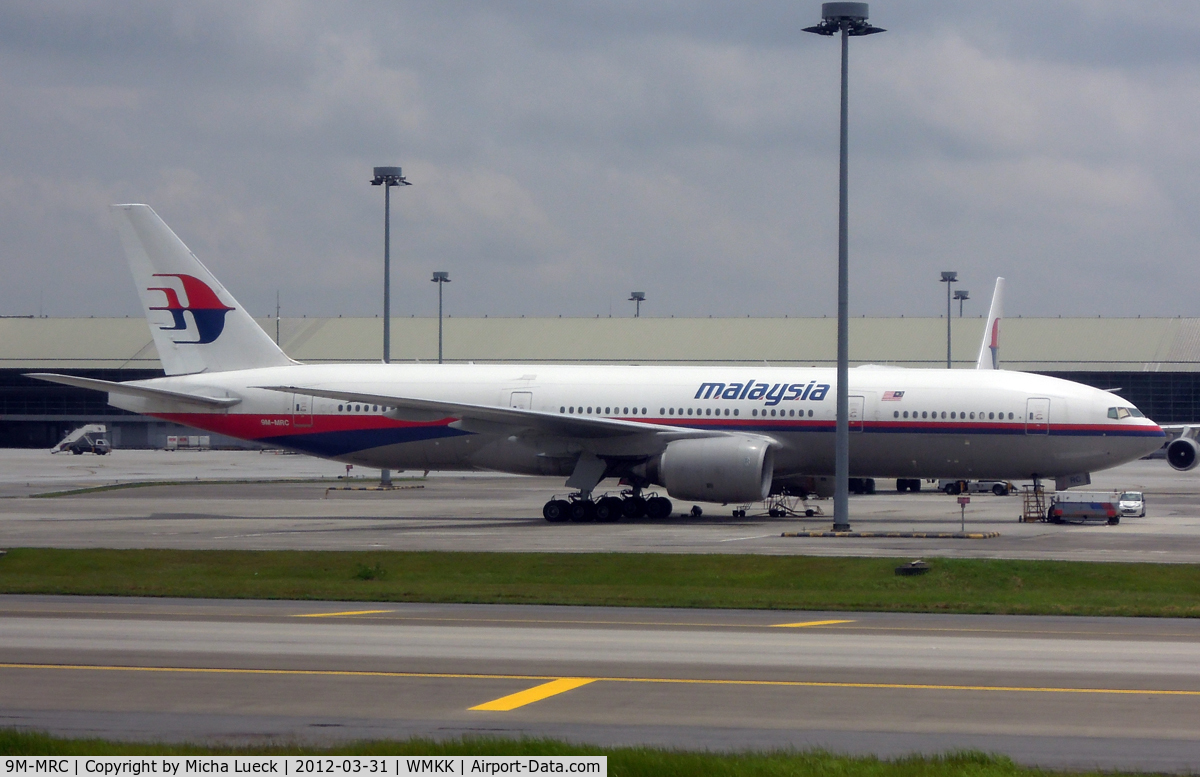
(536, 693)
(552, 685)
(805, 624)
(336, 614)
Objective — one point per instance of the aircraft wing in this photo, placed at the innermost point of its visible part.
(492, 419)
(128, 389)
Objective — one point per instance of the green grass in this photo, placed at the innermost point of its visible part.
(622, 761)
(633, 579)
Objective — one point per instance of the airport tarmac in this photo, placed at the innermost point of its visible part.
(483, 512)
(1106, 693)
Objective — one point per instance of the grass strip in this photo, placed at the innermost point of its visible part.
(622, 761)
(615, 579)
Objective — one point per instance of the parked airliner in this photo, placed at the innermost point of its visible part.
(731, 435)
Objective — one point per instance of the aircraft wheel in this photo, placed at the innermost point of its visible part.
(609, 509)
(556, 511)
(633, 507)
(583, 511)
(658, 507)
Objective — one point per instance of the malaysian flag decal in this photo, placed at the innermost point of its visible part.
(893, 396)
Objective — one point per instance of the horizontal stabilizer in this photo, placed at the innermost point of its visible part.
(135, 391)
(513, 418)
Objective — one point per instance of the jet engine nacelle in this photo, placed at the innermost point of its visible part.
(718, 469)
(1182, 453)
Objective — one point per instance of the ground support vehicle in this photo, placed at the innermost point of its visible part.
(1081, 506)
(85, 439)
(955, 487)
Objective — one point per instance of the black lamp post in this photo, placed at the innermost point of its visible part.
(387, 177)
(850, 19)
(948, 278)
(439, 278)
(637, 297)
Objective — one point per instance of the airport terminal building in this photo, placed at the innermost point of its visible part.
(1153, 362)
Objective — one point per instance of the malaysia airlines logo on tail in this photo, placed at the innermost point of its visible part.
(208, 312)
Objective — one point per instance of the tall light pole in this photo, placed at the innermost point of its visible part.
(962, 295)
(637, 297)
(948, 278)
(439, 278)
(387, 177)
(850, 19)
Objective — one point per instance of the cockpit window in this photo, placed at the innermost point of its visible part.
(1119, 412)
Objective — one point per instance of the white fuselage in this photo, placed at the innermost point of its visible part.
(910, 423)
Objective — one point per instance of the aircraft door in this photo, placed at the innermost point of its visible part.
(1037, 416)
(522, 400)
(302, 410)
(857, 405)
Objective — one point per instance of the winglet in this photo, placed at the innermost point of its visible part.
(989, 349)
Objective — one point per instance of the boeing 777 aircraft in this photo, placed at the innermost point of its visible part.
(714, 434)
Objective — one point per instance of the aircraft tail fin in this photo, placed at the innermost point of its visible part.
(196, 324)
(989, 349)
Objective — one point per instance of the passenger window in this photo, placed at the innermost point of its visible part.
(643, 410)
(708, 411)
(943, 414)
(896, 414)
(924, 414)
(991, 416)
(735, 412)
(1010, 416)
(754, 412)
(972, 416)
(726, 411)
(689, 411)
(810, 413)
(339, 408)
(626, 410)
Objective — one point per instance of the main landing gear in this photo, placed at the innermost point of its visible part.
(607, 509)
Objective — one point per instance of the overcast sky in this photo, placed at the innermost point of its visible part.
(566, 153)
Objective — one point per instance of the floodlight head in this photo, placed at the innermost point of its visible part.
(392, 176)
(637, 296)
(850, 17)
(949, 277)
(962, 294)
(440, 277)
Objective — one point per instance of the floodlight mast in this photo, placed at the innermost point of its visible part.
(850, 19)
(949, 278)
(962, 295)
(387, 177)
(439, 278)
(637, 297)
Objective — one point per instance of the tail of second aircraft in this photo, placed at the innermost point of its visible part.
(197, 325)
(989, 349)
